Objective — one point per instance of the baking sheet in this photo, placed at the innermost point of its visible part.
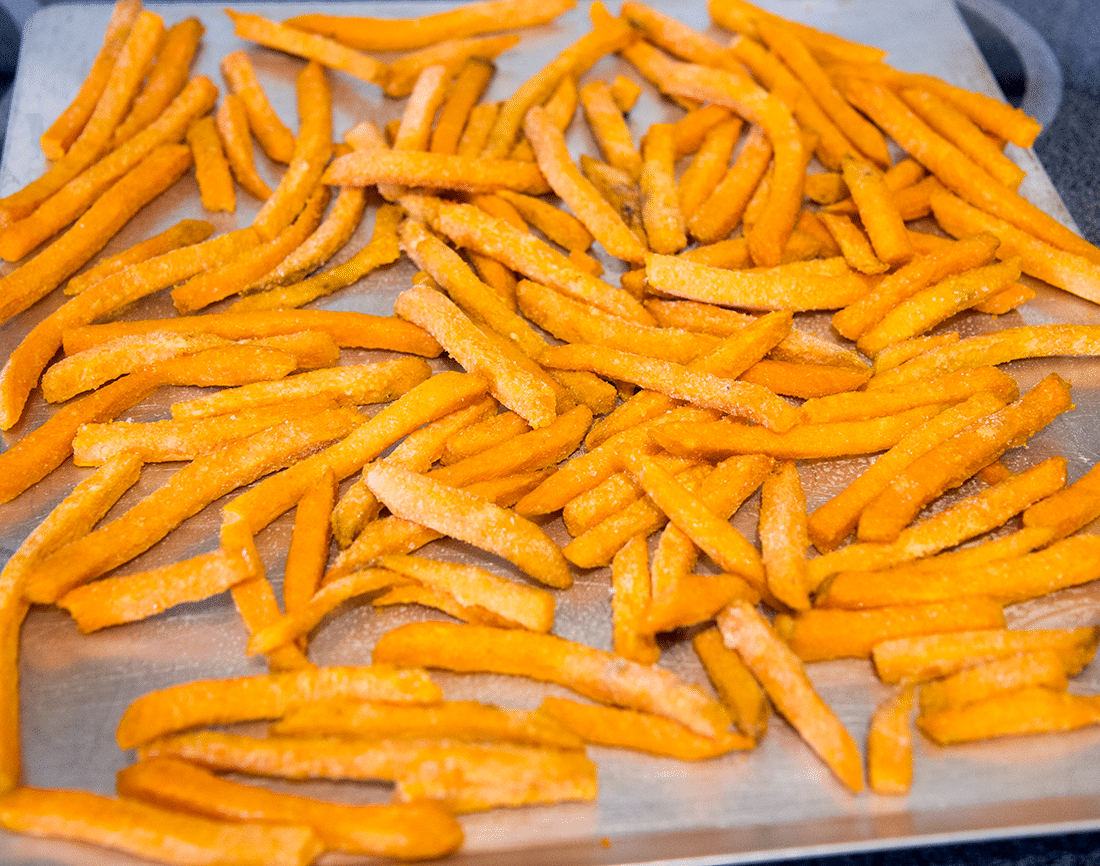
(776, 801)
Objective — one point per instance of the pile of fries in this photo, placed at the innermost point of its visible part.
(516, 381)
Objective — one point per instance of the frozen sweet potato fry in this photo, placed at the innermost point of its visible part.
(631, 592)
(927, 657)
(609, 128)
(211, 166)
(472, 519)
(411, 831)
(785, 681)
(404, 34)
(735, 684)
(450, 54)
(189, 490)
(152, 832)
(890, 745)
(1040, 667)
(640, 731)
(1029, 710)
(817, 635)
(274, 136)
(68, 125)
(232, 123)
(593, 673)
(783, 536)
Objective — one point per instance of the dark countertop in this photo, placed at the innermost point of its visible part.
(1069, 149)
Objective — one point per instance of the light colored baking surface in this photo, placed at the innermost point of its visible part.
(777, 800)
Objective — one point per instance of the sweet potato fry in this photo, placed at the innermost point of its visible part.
(890, 745)
(661, 215)
(735, 684)
(408, 831)
(1040, 667)
(151, 832)
(930, 656)
(471, 519)
(593, 673)
(123, 82)
(450, 54)
(709, 165)
(817, 635)
(786, 683)
(264, 696)
(609, 128)
(783, 536)
(65, 129)
(640, 731)
(787, 287)
(274, 136)
(404, 34)
(1030, 710)
(166, 79)
(955, 460)
(232, 123)
(211, 166)
(721, 439)
(630, 596)
(256, 28)
(189, 490)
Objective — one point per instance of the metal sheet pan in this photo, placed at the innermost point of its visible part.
(777, 801)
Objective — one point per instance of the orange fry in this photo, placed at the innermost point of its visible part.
(211, 166)
(273, 135)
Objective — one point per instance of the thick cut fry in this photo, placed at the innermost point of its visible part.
(1041, 667)
(593, 673)
(787, 287)
(817, 635)
(661, 215)
(478, 127)
(133, 597)
(877, 212)
(467, 721)
(355, 384)
(187, 492)
(831, 522)
(450, 54)
(274, 136)
(625, 93)
(740, 399)
(854, 245)
(709, 166)
(561, 227)
(469, 85)
(153, 833)
(1009, 344)
(309, 543)
(65, 129)
(952, 462)
(733, 681)
(408, 831)
(211, 166)
(576, 191)
(785, 681)
(329, 53)
(469, 518)
(928, 657)
(1030, 710)
(792, 379)
(630, 596)
(797, 55)
(890, 745)
(619, 191)
(721, 439)
(609, 128)
(715, 536)
(640, 731)
(1066, 511)
(576, 322)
